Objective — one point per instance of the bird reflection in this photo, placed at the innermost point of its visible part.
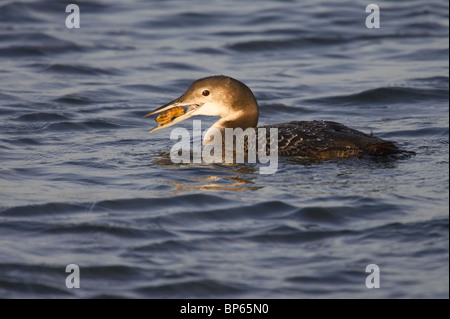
(226, 177)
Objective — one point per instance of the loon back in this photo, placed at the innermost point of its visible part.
(327, 140)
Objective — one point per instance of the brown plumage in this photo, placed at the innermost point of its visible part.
(327, 140)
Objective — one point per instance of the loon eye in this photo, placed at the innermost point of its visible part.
(205, 92)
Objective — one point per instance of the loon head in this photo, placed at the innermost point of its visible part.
(216, 95)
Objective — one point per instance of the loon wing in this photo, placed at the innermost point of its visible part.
(326, 140)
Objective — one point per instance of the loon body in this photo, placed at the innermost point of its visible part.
(235, 103)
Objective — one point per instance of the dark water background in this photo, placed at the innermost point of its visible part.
(83, 182)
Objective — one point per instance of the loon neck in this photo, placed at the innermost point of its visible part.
(239, 120)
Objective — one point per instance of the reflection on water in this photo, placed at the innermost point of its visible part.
(214, 184)
(235, 178)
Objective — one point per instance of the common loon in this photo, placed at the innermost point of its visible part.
(235, 103)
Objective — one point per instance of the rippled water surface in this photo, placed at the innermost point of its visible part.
(83, 182)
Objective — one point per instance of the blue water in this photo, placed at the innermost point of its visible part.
(83, 182)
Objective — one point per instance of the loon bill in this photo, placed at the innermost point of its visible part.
(236, 105)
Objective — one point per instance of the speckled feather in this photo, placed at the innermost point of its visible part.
(326, 140)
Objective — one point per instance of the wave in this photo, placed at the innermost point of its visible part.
(385, 95)
(43, 116)
(80, 70)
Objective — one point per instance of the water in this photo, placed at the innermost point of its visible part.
(83, 182)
